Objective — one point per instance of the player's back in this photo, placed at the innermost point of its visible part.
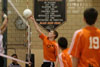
(65, 59)
(90, 47)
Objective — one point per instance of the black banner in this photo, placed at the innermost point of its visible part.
(49, 13)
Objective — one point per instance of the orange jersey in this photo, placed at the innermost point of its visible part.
(65, 59)
(86, 47)
(50, 48)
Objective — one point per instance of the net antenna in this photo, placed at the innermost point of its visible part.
(29, 38)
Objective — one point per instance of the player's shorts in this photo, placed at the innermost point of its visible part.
(48, 64)
(1, 61)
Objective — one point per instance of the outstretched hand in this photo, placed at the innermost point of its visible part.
(31, 17)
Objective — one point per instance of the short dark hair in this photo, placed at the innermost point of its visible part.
(14, 55)
(90, 16)
(56, 33)
(62, 42)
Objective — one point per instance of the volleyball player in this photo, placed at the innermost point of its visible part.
(85, 46)
(64, 58)
(50, 47)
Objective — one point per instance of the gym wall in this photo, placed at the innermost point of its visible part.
(75, 20)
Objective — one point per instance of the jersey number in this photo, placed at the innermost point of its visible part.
(94, 43)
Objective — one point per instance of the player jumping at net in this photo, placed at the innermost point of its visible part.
(2, 30)
(85, 46)
(64, 58)
(50, 47)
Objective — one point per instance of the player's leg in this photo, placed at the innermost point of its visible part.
(1, 61)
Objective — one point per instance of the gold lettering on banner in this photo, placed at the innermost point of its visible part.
(57, 23)
(43, 23)
(50, 22)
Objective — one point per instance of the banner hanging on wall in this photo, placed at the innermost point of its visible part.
(49, 13)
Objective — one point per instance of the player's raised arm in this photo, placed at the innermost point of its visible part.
(35, 24)
(4, 25)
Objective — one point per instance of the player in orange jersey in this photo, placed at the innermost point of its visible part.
(50, 47)
(64, 58)
(85, 46)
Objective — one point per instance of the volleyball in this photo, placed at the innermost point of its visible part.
(27, 13)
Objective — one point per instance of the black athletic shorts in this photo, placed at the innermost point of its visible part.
(48, 64)
(1, 61)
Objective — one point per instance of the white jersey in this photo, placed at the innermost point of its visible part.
(1, 43)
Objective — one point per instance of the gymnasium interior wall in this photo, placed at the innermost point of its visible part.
(74, 21)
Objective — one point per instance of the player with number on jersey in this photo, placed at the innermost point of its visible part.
(85, 46)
